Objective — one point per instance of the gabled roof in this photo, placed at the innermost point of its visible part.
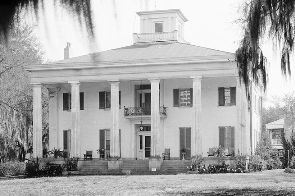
(160, 52)
(278, 124)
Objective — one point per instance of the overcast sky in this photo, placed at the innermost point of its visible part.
(212, 23)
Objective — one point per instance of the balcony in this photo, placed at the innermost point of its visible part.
(156, 37)
(140, 112)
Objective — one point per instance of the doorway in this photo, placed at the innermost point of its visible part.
(143, 141)
(185, 143)
(67, 142)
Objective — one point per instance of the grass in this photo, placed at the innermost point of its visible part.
(274, 182)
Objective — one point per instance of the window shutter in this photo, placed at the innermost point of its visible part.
(232, 137)
(66, 102)
(102, 138)
(191, 96)
(65, 137)
(102, 97)
(233, 95)
(175, 97)
(181, 140)
(108, 99)
(188, 142)
(221, 136)
(119, 99)
(221, 96)
(81, 101)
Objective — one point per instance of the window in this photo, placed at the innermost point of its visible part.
(183, 97)
(104, 139)
(67, 101)
(185, 142)
(140, 142)
(105, 99)
(226, 96)
(227, 138)
(158, 27)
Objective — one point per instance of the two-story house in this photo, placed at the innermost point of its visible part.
(136, 101)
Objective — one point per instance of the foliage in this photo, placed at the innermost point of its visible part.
(56, 153)
(289, 149)
(43, 168)
(256, 163)
(16, 94)
(196, 162)
(240, 162)
(10, 11)
(218, 151)
(274, 17)
(71, 164)
(292, 163)
(12, 168)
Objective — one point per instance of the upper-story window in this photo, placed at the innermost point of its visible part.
(183, 97)
(158, 27)
(105, 99)
(226, 96)
(67, 101)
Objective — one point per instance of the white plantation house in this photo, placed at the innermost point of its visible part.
(158, 94)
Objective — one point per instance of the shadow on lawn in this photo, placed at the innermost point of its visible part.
(236, 192)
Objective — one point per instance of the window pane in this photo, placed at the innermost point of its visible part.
(227, 96)
(158, 27)
(140, 142)
(108, 145)
(108, 99)
(184, 97)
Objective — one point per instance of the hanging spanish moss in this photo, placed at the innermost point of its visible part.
(275, 19)
(10, 10)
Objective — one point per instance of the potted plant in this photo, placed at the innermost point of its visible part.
(183, 153)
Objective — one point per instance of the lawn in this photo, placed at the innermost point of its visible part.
(274, 182)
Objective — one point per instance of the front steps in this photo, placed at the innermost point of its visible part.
(100, 167)
(175, 166)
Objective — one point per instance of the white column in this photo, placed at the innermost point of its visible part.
(155, 117)
(75, 110)
(37, 121)
(115, 148)
(196, 141)
(53, 119)
(238, 129)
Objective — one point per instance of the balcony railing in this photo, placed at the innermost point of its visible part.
(140, 111)
(155, 37)
(276, 142)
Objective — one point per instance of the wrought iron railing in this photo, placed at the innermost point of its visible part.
(141, 111)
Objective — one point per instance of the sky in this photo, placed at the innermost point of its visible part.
(211, 23)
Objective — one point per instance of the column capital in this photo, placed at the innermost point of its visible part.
(154, 80)
(36, 84)
(114, 81)
(74, 82)
(196, 77)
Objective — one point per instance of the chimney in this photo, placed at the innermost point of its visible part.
(67, 51)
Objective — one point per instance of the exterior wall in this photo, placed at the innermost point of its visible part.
(93, 119)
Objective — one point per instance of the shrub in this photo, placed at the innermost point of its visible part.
(43, 168)
(289, 170)
(292, 163)
(196, 162)
(71, 164)
(256, 163)
(240, 163)
(12, 168)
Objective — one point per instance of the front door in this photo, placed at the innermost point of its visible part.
(185, 142)
(144, 142)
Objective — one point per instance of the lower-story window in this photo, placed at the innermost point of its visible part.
(227, 138)
(104, 143)
(67, 142)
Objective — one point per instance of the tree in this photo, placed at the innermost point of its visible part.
(274, 18)
(16, 93)
(11, 9)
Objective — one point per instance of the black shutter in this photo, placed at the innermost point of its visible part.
(81, 101)
(175, 97)
(221, 136)
(181, 141)
(108, 99)
(66, 101)
(102, 139)
(233, 95)
(221, 96)
(102, 96)
(119, 99)
(191, 96)
(188, 142)
(232, 130)
(65, 137)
